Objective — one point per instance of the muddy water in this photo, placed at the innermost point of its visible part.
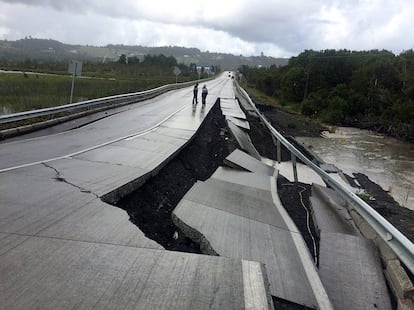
(386, 161)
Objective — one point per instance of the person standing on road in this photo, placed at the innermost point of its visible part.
(195, 92)
(204, 92)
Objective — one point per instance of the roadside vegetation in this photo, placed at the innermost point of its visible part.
(25, 91)
(368, 89)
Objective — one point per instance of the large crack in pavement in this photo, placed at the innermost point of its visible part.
(150, 206)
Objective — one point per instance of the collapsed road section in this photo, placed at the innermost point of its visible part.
(214, 195)
(220, 212)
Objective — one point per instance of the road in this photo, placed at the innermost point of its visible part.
(134, 121)
(62, 247)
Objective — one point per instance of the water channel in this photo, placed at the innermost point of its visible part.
(386, 161)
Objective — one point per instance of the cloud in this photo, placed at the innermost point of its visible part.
(279, 28)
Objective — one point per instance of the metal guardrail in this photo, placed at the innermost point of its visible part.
(89, 104)
(401, 246)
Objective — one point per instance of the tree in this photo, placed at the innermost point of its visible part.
(122, 59)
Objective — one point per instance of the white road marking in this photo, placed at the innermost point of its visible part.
(255, 296)
(130, 136)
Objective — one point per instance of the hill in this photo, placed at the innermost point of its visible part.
(51, 50)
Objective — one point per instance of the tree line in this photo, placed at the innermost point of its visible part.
(367, 89)
(149, 66)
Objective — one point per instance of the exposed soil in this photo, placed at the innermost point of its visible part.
(292, 195)
(288, 124)
(282, 304)
(150, 206)
(402, 218)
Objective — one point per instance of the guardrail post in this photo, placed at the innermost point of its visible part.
(279, 151)
(295, 171)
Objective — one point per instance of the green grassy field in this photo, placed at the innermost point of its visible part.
(19, 93)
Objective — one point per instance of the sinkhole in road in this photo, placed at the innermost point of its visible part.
(151, 205)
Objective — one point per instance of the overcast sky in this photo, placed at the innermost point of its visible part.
(280, 28)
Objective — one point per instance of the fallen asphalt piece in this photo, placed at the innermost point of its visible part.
(44, 273)
(243, 222)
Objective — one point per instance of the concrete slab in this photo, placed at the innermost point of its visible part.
(63, 211)
(10, 241)
(168, 135)
(101, 223)
(127, 157)
(238, 122)
(43, 273)
(243, 139)
(305, 174)
(351, 272)
(240, 159)
(233, 113)
(150, 146)
(230, 107)
(245, 178)
(97, 177)
(235, 236)
(184, 122)
(228, 91)
(232, 103)
(329, 216)
(37, 202)
(254, 204)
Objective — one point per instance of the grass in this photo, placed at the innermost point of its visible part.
(288, 106)
(19, 93)
(253, 92)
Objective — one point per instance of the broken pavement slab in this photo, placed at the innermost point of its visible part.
(239, 159)
(242, 177)
(89, 275)
(230, 107)
(351, 272)
(305, 174)
(224, 216)
(243, 139)
(64, 211)
(239, 122)
(328, 215)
